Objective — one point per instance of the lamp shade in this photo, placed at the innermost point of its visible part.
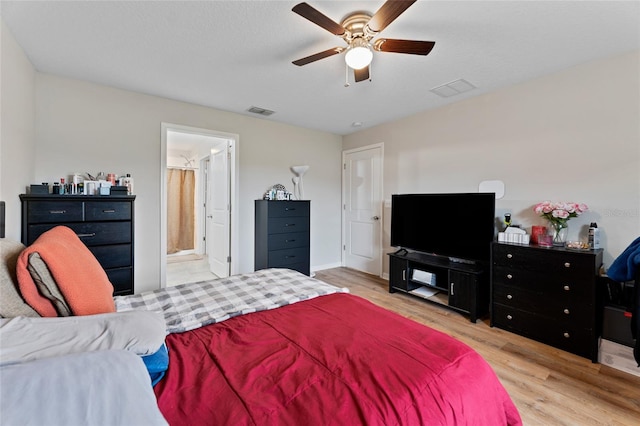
(299, 170)
(359, 54)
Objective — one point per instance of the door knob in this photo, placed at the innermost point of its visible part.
(375, 218)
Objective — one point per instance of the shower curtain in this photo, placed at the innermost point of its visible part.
(180, 210)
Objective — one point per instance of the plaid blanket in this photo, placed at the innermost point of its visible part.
(189, 306)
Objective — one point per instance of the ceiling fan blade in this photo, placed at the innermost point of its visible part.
(412, 47)
(361, 74)
(318, 56)
(313, 15)
(388, 13)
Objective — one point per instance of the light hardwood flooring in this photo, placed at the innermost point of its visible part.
(549, 386)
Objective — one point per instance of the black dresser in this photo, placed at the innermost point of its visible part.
(103, 223)
(282, 235)
(547, 294)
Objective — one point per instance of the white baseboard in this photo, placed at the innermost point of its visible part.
(327, 266)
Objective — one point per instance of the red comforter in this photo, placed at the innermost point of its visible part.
(332, 360)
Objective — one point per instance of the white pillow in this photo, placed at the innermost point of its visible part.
(93, 388)
(27, 339)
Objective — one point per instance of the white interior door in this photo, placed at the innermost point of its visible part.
(362, 195)
(218, 211)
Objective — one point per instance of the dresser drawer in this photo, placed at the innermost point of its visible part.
(280, 225)
(553, 285)
(562, 308)
(90, 233)
(540, 259)
(282, 258)
(288, 209)
(122, 280)
(302, 267)
(107, 210)
(567, 336)
(113, 256)
(56, 211)
(288, 240)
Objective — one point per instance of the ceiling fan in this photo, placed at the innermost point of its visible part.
(358, 30)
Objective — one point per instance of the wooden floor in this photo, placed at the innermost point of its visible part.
(549, 386)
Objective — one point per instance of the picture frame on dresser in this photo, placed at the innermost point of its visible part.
(105, 224)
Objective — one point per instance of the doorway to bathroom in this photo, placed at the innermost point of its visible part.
(198, 228)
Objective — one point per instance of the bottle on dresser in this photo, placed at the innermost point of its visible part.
(594, 236)
(127, 181)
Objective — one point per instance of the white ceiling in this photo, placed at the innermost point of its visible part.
(232, 55)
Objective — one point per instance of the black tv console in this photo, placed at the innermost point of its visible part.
(460, 286)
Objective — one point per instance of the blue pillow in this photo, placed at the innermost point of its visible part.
(157, 363)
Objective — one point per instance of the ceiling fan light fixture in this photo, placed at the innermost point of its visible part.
(359, 54)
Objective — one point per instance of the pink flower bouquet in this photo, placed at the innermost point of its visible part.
(558, 214)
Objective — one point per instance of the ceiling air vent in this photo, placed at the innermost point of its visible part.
(260, 111)
(453, 88)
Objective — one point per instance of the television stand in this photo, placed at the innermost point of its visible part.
(461, 286)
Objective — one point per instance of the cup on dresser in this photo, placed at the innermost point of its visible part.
(545, 240)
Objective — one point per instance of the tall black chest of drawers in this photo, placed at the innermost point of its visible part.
(547, 294)
(282, 235)
(104, 224)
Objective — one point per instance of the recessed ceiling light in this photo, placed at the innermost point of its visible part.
(356, 124)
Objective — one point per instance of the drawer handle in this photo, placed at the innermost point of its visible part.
(93, 234)
(509, 296)
(289, 257)
(509, 255)
(57, 211)
(566, 311)
(509, 276)
(567, 265)
(566, 288)
(289, 224)
(289, 209)
(566, 335)
(509, 317)
(109, 211)
(289, 241)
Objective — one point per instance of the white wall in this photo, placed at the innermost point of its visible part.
(89, 128)
(17, 127)
(570, 136)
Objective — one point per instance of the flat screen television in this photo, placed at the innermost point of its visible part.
(459, 226)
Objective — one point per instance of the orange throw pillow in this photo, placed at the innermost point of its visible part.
(77, 273)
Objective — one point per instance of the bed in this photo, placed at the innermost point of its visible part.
(276, 347)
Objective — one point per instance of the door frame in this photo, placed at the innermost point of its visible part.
(234, 140)
(380, 197)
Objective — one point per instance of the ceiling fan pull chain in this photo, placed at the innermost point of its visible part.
(346, 75)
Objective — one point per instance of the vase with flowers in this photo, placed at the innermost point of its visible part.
(558, 214)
